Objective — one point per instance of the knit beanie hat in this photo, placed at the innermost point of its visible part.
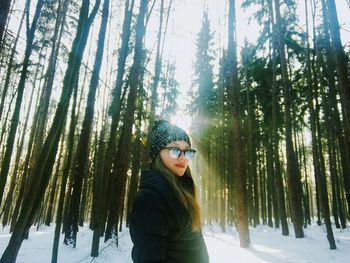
(164, 133)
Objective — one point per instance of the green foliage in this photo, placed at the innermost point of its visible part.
(205, 100)
(170, 88)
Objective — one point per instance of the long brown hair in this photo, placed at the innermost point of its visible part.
(187, 195)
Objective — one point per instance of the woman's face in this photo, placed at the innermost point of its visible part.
(177, 165)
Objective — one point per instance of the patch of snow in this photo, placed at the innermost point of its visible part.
(268, 245)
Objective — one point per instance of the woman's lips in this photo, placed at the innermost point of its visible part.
(180, 165)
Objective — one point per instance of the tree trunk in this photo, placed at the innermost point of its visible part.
(136, 163)
(293, 176)
(41, 115)
(10, 66)
(4, 11)
(5, 165)
(341, 60)
(317, 149)
(343, 136)
(116, 100)
(251, 149)
(43, 166)
(80, 168)
(241, 213)
(99, 185)
(117, 189)
(262, 175)
(84, 202)
(49, 212)
(306, 189)
(270, 182)
(117, 91)
(221, 147)
(275, 136)
(65, 173)
(157, 70)
(9, 197)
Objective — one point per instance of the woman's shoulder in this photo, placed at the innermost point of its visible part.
(148, 198)
(155, 181)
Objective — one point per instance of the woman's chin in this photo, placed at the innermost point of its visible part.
(180, 173)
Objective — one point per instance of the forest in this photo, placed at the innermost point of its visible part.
(82, 82)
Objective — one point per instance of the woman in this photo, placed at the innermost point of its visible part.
(165, 223)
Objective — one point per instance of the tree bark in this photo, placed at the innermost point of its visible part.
(341, 64)
(233, 85)
(99, 185)
(136, 163)
(53, 190)
(293, 176)
(4, 11)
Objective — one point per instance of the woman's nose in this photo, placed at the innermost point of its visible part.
(182, 155)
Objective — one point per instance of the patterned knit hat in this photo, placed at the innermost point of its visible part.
(164, 133)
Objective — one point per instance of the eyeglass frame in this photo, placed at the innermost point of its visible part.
(181, 152)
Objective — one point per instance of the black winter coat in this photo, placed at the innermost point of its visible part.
(160, 225)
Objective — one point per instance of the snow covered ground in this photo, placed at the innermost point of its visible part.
(268, 245)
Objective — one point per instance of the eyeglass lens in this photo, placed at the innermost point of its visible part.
(176, 153)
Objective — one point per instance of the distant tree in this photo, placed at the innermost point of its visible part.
(203, 107)
(170, 87)
(223, 118)
(250, 66)
(204, 78)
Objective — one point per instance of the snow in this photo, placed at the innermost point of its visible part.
(268, 245)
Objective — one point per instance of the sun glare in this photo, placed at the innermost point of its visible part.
(182, 120)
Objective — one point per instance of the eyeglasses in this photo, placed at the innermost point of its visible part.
(176, 152)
